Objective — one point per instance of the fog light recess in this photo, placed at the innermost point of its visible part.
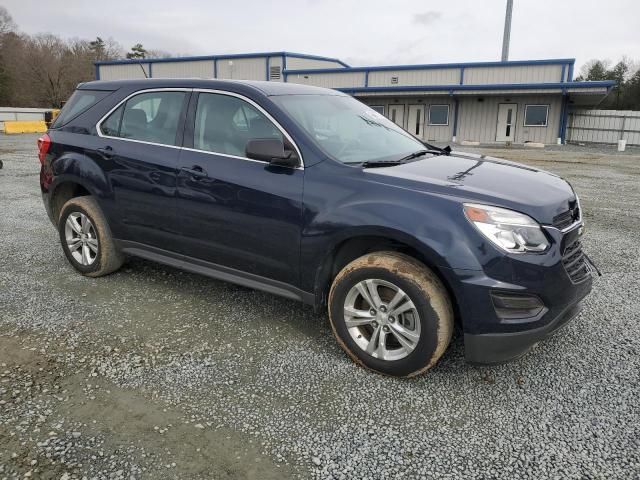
(509, 306)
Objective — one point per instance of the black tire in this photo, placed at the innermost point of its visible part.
(423, 288)
(107, 258)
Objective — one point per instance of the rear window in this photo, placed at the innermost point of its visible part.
(80, 101)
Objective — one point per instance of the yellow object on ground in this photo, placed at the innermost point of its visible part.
(34, 126)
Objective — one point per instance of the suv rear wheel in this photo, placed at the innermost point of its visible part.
(86, 238)
(391, 314)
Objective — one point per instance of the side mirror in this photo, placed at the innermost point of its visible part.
(271, 150)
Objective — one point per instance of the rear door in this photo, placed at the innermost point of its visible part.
(234, 211)
(139, 145)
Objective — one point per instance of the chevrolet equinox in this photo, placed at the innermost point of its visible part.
(307, 193)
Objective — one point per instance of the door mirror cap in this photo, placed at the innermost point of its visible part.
(271, 150)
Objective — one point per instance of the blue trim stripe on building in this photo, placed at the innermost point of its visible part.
(433, 66)
(495, 86)
(456, 109)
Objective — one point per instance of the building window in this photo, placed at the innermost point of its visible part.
(378, 108)
(438, 114)
(536, 115)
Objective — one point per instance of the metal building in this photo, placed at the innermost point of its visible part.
(485, 102)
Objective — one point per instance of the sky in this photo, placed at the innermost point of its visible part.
(370, 32)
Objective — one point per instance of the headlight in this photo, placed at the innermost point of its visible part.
(509, 230)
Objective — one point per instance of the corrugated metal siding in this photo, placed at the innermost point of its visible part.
(329, 80)
(515, 74)
(604, 126)
(123, 71)
(478, 120)
(434, 133)
(243, 68)
(197, 69)
(296, 63)
(445, 76)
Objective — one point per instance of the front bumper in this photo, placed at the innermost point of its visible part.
(491, 336)
(489, 348)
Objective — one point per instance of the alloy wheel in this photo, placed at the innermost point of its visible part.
(81, 238)
(381, 319)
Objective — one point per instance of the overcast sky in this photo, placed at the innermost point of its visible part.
(369, 32)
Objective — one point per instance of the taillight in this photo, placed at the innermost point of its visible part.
(44, 142)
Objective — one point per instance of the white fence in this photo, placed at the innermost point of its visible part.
(604, 126)
(23, 114)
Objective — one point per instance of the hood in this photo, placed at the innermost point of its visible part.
(483, 179)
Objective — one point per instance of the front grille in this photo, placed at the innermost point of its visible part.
(565, 219)
(575, 263)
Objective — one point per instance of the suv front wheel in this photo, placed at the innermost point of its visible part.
(391, 314)
(86, 238)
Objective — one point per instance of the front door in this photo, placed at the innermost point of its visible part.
(233, 211)
(507, 113)
(396, 114)
(416, 120)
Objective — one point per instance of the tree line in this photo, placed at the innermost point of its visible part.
(43, 70)
(626, 74)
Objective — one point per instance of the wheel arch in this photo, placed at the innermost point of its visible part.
(361, 243)
(64, 191)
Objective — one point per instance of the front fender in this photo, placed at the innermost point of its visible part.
(432, 225)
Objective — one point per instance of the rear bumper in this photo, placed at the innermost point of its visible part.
(492, 348)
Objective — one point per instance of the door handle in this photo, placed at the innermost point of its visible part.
(106, 152)
(196, 172)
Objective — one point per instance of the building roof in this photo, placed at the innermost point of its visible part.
(228, 56)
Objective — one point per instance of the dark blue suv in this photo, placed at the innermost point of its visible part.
(307, 193)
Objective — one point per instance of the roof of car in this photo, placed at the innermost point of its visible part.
(266, 88)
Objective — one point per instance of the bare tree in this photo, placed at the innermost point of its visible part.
(7, 24)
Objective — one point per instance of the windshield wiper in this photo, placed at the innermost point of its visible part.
(391, 163)
(381, 163)
(437, 150)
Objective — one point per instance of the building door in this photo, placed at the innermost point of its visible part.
(396, 114)
(507, 113)
(416, 120)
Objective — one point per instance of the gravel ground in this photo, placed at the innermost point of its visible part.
(156, 373)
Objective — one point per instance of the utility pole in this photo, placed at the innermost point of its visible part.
(506, 37)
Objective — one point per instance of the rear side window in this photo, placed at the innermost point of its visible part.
(80, 101)
(148, 117)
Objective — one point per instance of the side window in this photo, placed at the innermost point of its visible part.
(148, 117)
(111, 126)
(224, 124)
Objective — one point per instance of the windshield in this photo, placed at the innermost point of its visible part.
(347, 129)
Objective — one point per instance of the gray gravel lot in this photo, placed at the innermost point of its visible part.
(155, 373)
